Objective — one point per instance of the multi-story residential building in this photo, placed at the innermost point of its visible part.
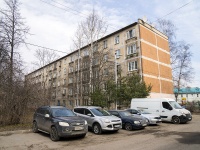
(138, 47)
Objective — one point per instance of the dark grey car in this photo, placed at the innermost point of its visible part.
(59, 122)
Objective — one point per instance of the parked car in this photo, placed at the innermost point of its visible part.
(59, 122)
(152, 118)
(129, 121)
(168, 109)
(98, 119)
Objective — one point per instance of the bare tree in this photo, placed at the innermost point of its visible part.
(12, 33)
(93, 28)
(180, 55)
(44, 57)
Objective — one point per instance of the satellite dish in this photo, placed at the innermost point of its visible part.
(144, 18)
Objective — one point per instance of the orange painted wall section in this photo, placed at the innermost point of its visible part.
(147, 35)
(162, 43)
(149, 67)
(165, 72)
(148, 51)
(167, 87)
(164, 57)
(154, 82)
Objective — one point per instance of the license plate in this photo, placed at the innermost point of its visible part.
(144, 125)
(117, 126)
(78, 128)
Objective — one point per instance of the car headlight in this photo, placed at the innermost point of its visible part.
(147, 120)
(182, 113)
(106, 120)
(64, 124)
(136, 122)
(85, 122)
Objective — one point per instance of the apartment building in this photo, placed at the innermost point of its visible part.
(138, 47)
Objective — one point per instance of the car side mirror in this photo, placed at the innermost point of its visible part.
(138, 113)
(89, 115)
(46, 116)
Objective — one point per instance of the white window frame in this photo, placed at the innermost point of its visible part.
(132, 66)
(70, 80)
(105, 58)
(132, 49)
(129, 36)
(105, 44)
(117, 39)
(117, 53)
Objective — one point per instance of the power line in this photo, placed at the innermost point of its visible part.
(78, 12)
(85, 17)
(45, 47)
(173, 11)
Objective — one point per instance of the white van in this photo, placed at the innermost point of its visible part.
(168, 109)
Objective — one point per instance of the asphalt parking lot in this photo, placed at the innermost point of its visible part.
(164, 136)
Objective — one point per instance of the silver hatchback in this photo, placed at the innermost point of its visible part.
(98, 119)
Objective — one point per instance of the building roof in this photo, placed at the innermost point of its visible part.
(188, 90)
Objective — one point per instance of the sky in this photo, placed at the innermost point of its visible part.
(53, 23)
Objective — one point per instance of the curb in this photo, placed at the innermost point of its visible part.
(7, 133)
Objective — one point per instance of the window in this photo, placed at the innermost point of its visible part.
(105, 86)
(71, 69)
(58, 104)
(87, 112)
(131, 34)
(64, 102)
(65, 71)
(70, 91)
(117, 53)
(95, 61)
(64, 81)
(85, 52)
(65, 60)
(166, 105)
(197, 95)
(115, 113)
(64, 91)
(70, 102)
(71, 58)
(117, 39)
(79, 110)
(105, 71)
(131, 49)
(106, 58)
(70, 80)
(132, 66)
(105, 44)
(95, 48)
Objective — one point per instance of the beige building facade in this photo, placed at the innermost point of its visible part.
(138, 47)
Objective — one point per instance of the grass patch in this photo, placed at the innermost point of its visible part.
(16, 127)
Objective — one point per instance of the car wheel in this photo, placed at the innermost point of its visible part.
(54, 134)
(128, 126)
(35, 127)
(176, 120)
(97, 128)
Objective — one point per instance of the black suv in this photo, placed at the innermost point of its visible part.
(59, 122)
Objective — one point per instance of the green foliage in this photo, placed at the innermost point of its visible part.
(98, 98)
(127, 88)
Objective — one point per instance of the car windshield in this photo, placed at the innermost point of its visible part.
(144, 111)
(125, 113)
(62, 112)
(175, 105)
(99, 112)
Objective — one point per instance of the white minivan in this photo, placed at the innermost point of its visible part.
(168, 109)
